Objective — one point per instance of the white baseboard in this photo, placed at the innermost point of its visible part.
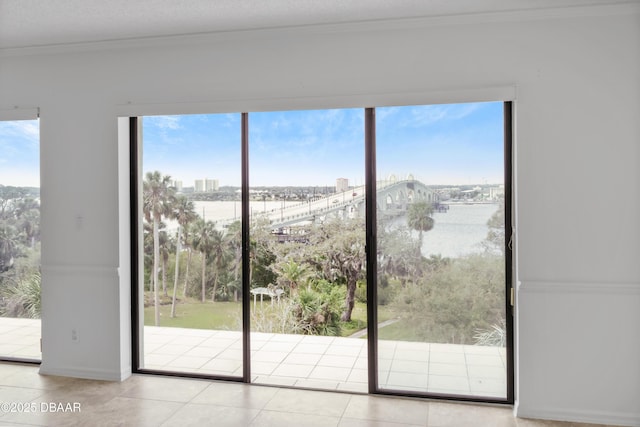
(581, 416)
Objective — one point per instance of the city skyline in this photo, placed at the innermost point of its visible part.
(338, 186)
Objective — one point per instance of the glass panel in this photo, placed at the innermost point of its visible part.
(441, 261)
(192, 241)
(308, 315)
(20, 240)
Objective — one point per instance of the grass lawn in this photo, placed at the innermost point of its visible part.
(194, 314)
(197, 315)
(358, 320)
(399, 331)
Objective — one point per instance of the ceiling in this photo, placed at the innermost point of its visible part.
(27, 23)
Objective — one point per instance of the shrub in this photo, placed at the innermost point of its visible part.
(314, 311)
(454, 301)
(23, 298)
(496, 336)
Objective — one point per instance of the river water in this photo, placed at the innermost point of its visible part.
(459, 231)
(456, 232)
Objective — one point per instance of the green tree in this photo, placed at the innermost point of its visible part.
(147, 242)
(19, 251)
(19, 224)
(290, 274)
(495, 240)
(166, 248)
(453, 301)
(203, 242)
(188, 244)
(9, 244)
(27, 214)
(184, 212)
(9, 197)
(219, 254)
(339, 251)
(234, 239)
(399, 255)
(157, 199)
(419, 217)
(261, 254)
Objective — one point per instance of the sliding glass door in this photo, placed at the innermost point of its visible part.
(307, 210)
(441, 250)
(354, 249)
(191, 286)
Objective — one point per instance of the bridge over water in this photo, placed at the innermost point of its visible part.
(393, 197)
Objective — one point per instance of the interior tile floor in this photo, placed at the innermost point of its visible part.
(145, 400)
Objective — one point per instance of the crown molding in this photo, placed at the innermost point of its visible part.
(397, 24)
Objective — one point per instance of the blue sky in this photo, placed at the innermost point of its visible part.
(442, 144)
(438, 144)
(20, 153)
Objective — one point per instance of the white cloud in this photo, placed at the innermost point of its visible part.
(164, 122)
(281, 123)
(430, 114)
(231, 120)
(28, 130)
(384, 112)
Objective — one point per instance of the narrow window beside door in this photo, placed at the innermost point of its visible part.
(20, 240)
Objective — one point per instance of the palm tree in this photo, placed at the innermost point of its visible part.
(188, 243)
(234, 239)
(166, 247)
(219, 255)
(9, 244)
(184, 213)
(23, 298)
(28, 214)
(147, 242)
(157, 198)
(419, 217)
(202, 241)
(290, 274)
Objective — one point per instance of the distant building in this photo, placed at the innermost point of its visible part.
(199, 185)
(211, 185)
(342, 184)
(496, 192)
(177, 185)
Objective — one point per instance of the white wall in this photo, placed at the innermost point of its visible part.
(577, 91)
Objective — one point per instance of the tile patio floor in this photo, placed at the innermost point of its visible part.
(20, 338)
(328, 363)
